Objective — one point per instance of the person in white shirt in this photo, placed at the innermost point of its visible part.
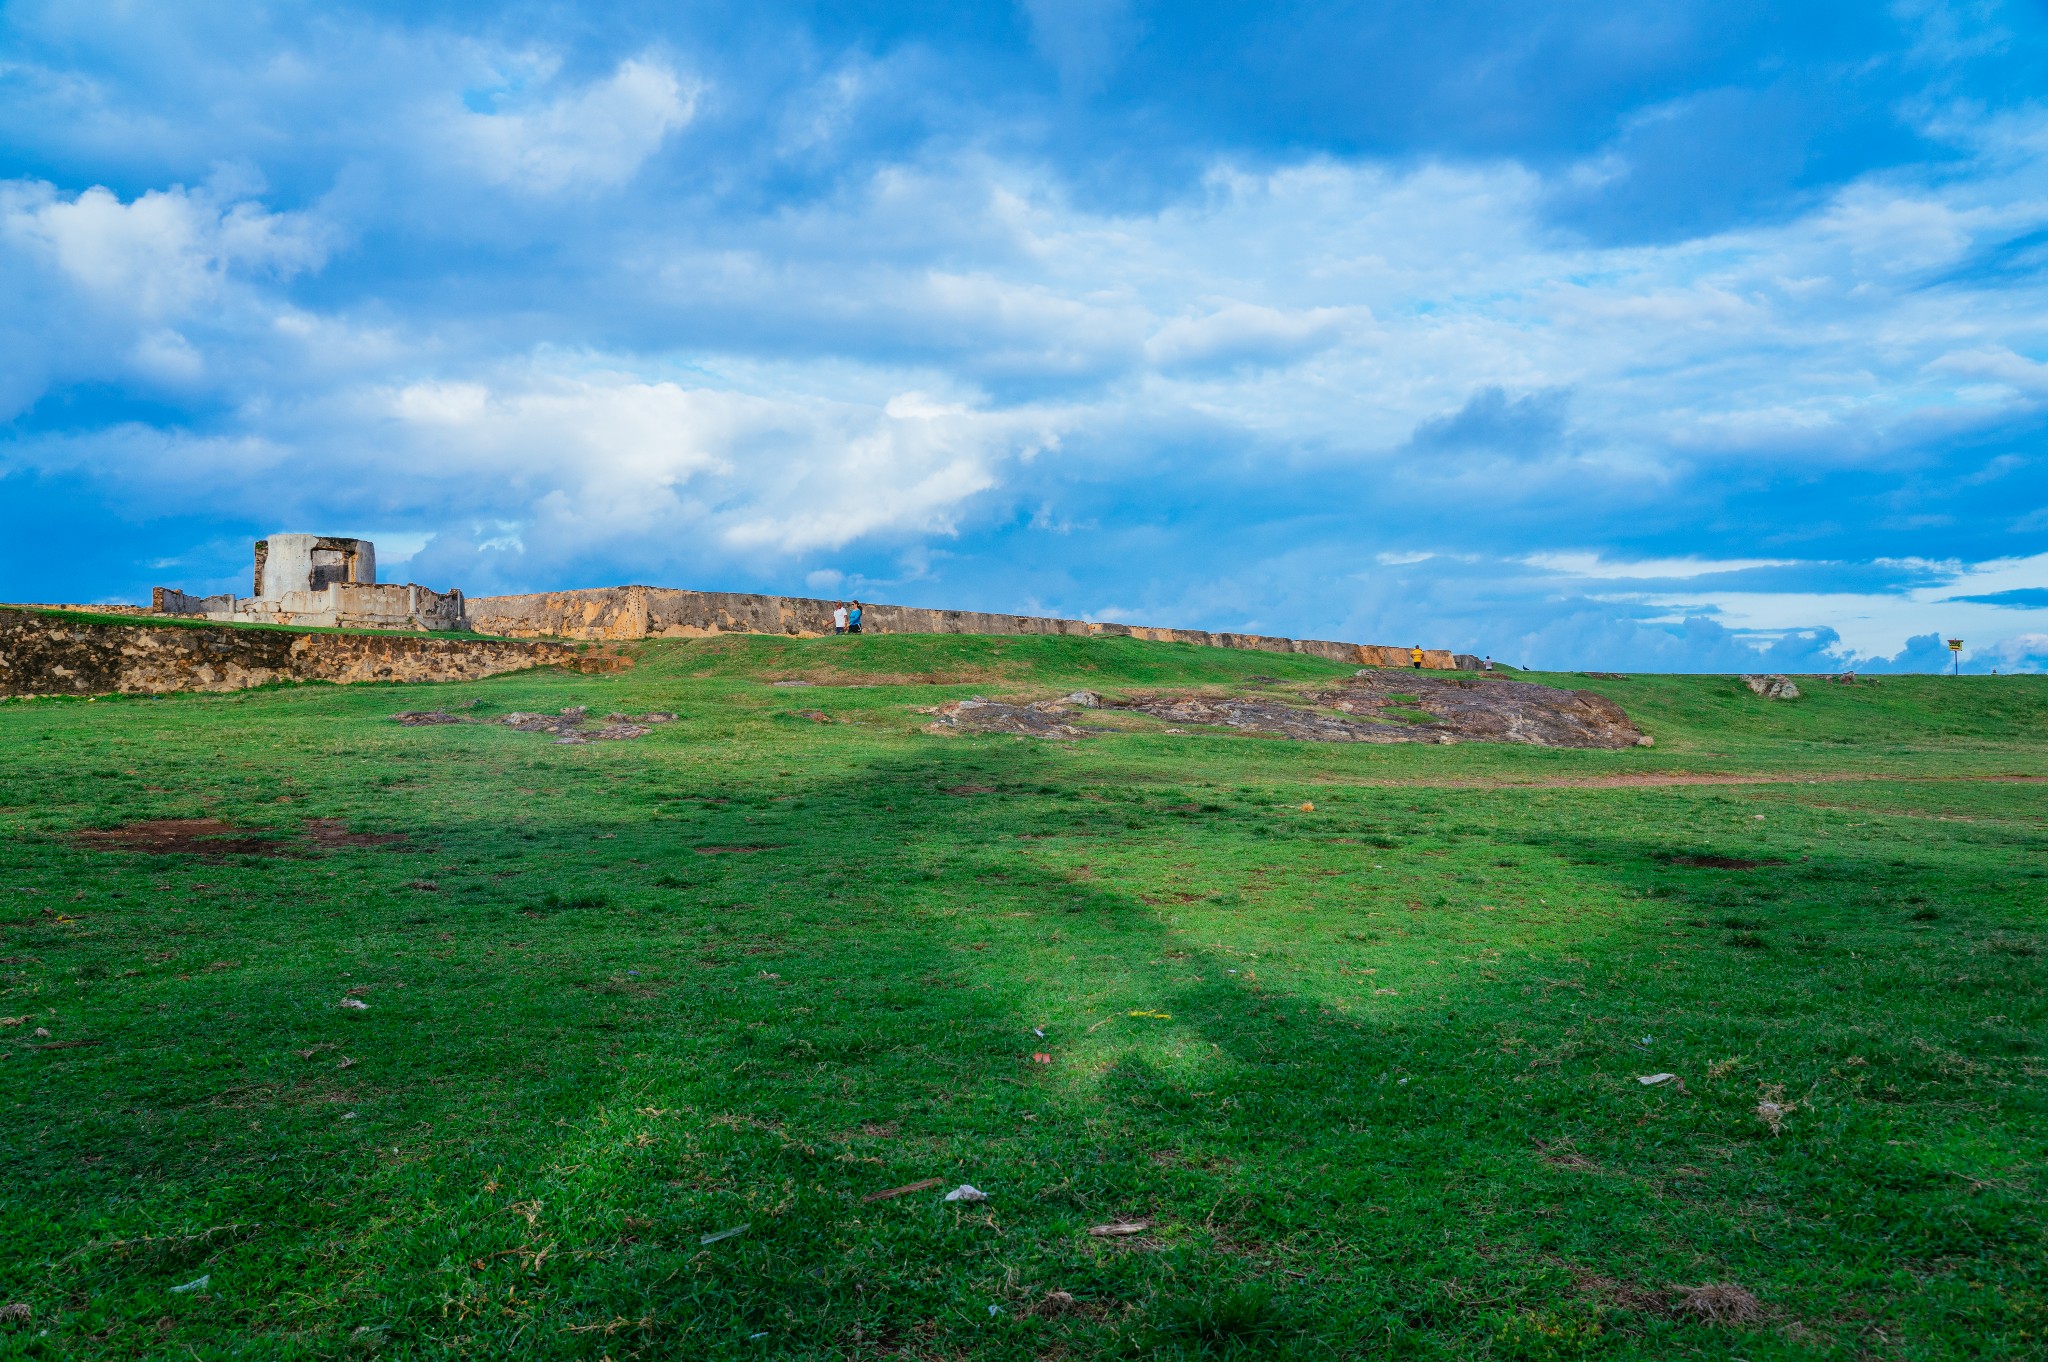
(839, 618)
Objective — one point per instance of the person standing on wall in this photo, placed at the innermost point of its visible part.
(853, 619)
(839, 618)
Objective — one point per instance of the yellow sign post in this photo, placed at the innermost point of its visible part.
(1955, 652)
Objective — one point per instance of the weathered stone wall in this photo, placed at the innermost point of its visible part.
(630, 612)
(338, 605)
(611, 612)
(49, 655)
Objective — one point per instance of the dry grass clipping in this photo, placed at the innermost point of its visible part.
(1717, 1303)
(1772, 1108)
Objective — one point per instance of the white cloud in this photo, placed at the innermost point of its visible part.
(161, 255)
(602, 453)
(1246, 333)
(1595, 567)
(594, 138)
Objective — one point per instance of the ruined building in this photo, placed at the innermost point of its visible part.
(313, 579)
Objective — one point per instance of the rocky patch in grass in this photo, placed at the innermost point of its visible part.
(1271, 718)
(1044, 719)
(1487, 709)
(1390, 707)
(1374, 707)
(572, 725)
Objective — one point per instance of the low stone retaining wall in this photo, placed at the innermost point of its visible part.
(633, 612)
(50, 655)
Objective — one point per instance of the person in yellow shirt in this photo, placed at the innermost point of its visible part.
(1416, 654)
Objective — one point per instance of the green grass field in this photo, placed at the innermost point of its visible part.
(1368, 1069)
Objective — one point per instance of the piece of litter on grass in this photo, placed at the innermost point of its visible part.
(196, 1284)
(1404, 1080)
(1038, 1032)
(1040, 1057)
(1644, 1041)
(348, 1116)
(1116, 1228)
(1308, 808)
(1652, 1080)
(42, 1031)
(905, 1190)
(354, 1004)
(717, 1235)
(752, 1337)
(967, 1191)
(994, 1310)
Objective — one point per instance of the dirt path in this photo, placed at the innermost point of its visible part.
(1655, 779)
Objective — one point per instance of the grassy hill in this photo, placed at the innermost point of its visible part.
(1353, 1033)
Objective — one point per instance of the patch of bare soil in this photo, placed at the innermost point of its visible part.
(212, 838)
(1044, 719)
(572, 725)
(1489, 708)
(183, 837)
(1723, 862)
(1655, 779)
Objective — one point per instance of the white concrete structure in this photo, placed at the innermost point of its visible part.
(310, 562)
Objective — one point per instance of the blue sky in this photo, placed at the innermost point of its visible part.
(1635, 335)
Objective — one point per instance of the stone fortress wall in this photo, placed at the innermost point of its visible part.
(618, 613)
(305, 579)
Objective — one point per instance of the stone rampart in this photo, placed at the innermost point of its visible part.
(43, 654)
(634, 612)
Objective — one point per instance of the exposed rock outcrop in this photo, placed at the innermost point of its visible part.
(1271, 718)
(42, 654)
(1045, 719)
(1374, 707)
(1771, 687)
(572, 725)
(1487, 709)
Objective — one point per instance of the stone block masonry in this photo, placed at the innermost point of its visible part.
(46, 654)
(635, 612)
